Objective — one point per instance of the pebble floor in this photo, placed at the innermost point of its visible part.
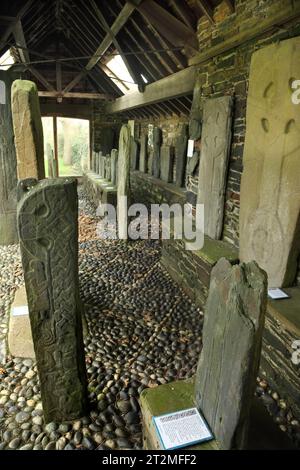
(141, 331)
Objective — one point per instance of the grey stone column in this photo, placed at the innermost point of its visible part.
(123, 180)
(28, 130)
(114, 166)
(8, 166)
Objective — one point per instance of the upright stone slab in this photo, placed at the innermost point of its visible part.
(157, 141)
(8, 167)
(28, 130)
(166, 163)
(181, 155)
(55, 168)
(229, 361)
(48, 232)
(270, 187)
(123, 180)
(215, 147)
(97, 163)
(134, 154)
(114, 166)
(101, 165)
(49, 160)
(108, 168)
(143, 154)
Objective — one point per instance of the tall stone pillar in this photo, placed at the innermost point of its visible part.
(157, 140)
(114, 166)
(181, 155)
(8, 166)
(48, 232)
(123, 180)
(28, 130)
(143, 154)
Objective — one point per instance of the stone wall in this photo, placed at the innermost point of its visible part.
(228, 74)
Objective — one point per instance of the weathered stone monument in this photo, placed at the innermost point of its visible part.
(48, 232)
(55, 168)
(270, 188)
(114, 166)
(181, 155)
(225, 381)
(143, 154)
(123, 180)
(28, 130)
(108, 168)
(8, 166)
(134, 154)
(157, 141)
(49, 160)
(232, 338)
(216, 137)
(97, 162)
(166, 163)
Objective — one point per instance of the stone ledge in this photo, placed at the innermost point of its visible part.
(20, 343)
(99, 190)
(263, 432)
(150, 190)
(191, 270)
(167, 399)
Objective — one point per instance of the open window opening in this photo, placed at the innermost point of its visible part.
(73, 145)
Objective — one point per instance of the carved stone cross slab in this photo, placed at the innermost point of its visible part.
(28, 130)
(270, 187)
(215, 146)
(48, 232)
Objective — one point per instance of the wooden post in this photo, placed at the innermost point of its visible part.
(55, 142)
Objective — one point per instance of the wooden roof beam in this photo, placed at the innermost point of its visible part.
(24, 55)
(207, 10)
(11, 26)
(115, 28)
(77, 95)
(169, 26)
(179, 84)
(135, 76)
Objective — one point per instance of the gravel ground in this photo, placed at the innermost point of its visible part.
(142, 331)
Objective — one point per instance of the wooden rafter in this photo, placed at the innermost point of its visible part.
(115, 28)
(135, 76)
(11, 26)
(24, 54)
(84, 95)
(176, 85)
(168, 25)
(206, 9)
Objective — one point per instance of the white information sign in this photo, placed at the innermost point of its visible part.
(277, 294)
(182, 428)
(190, 150)
(18, 311)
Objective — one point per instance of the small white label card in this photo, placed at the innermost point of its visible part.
(190, 150)
(182, 428)
(277, 294)
(18, 311)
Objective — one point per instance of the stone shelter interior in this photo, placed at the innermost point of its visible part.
(191, 106)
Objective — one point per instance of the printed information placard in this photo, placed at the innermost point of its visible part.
(182, 428)
(277, 294)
